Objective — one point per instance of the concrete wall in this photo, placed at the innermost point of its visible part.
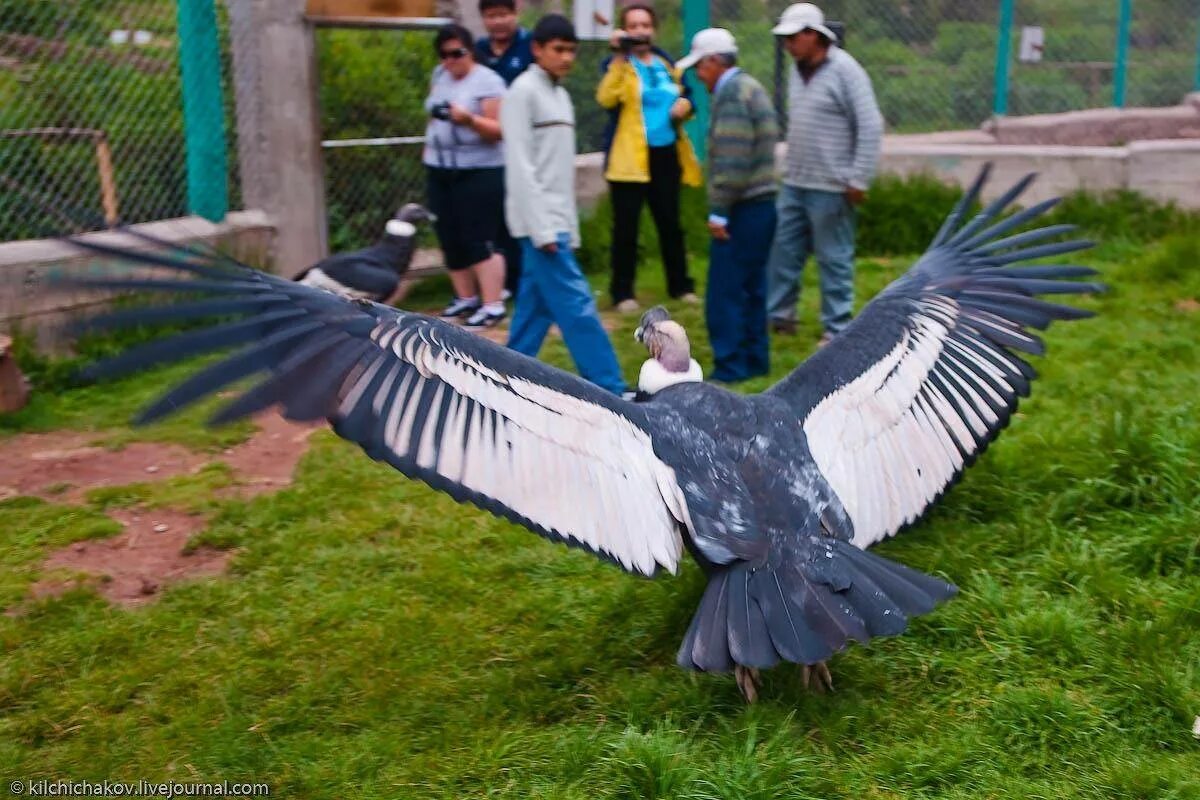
(30, 301)
(1168, 171)
(1099, 126)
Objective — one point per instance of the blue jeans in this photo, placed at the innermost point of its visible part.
(813, 221)
(735, 305)
(554, 291)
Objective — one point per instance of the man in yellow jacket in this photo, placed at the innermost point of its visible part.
(649, 156)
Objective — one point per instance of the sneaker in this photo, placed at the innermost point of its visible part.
(459, 306)
(825, 339)
(690, 298)
(783, 326)
(485, 319)
(628, 306)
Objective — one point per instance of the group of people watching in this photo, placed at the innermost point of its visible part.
(501, 136)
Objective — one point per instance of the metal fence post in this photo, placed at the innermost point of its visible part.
(1121, 68)
(1196, 81)
(695, 19)
(203, 110)
(1003, 54)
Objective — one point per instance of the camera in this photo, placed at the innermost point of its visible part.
(626, 43)
(441, 110)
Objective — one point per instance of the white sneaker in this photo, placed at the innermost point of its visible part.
(628, 306)
(483, 318)
(459, 306)
(690, 298)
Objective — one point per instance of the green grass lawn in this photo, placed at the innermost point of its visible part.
(375, 639)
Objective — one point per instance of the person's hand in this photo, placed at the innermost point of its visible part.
(718, 231)
(855, 196)
(550, 248)
(680, 109)
(614, 42)
(460, 115)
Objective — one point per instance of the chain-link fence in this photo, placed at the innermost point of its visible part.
(91, 115)
(934, 62)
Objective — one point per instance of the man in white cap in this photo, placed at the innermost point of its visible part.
(833, 139)
(742, 134)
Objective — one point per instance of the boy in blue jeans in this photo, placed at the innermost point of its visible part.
(538, 122)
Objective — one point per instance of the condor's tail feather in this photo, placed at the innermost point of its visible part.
(758, 617)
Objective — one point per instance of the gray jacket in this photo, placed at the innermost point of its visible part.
(538, 122)
(835, 128)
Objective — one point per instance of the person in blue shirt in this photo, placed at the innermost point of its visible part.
(507, 51)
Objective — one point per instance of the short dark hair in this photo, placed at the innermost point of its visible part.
(554, 26)
(484, 5)
(452, 31)
(637, 7)
(727, 59)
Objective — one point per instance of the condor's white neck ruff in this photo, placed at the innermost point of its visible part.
(654, 377)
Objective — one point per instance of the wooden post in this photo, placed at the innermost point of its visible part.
(108, 184)
(14, 389)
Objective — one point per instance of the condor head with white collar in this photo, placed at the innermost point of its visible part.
(670, 359)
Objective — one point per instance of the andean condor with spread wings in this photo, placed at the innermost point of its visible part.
(776, 495)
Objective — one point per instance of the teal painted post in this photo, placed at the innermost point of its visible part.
(1196, 82)
(1121, 69)
(1003, 55)
(203, 110)
(695, 19)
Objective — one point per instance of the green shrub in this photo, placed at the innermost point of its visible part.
(1124, 215)
(902, 215)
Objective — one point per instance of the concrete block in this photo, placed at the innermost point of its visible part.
(32, 300)
(1166, 170)
(1060, 169)
(1099, 126)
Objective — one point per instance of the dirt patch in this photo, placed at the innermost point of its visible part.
(265, 462)
(131, 568)
(1188, 305)
(63, 466)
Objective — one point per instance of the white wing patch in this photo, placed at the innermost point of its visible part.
(891, 440)
(575, 469)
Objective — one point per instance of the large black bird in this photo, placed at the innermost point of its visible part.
(776, 495)
(372, 273)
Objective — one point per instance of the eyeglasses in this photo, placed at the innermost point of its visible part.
(458, 52)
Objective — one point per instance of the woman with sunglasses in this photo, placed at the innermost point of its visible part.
(649, 154)
(464, 163)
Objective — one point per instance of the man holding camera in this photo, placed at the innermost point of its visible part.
(834, 134)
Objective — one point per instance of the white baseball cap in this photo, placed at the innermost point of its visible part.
(802, 16)
(708, 42)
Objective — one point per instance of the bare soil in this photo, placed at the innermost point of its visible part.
(132, 568)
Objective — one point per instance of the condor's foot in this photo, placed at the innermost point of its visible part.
(748, 681)
(816, 678)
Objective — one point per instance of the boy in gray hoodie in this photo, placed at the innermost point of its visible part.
(538, 122)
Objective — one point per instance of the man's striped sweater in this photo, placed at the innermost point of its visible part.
(741, 144)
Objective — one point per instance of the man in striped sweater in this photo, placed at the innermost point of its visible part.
(741, 199)
(834, 134)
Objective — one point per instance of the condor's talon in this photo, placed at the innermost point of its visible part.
(816, 678)
(748, 681)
